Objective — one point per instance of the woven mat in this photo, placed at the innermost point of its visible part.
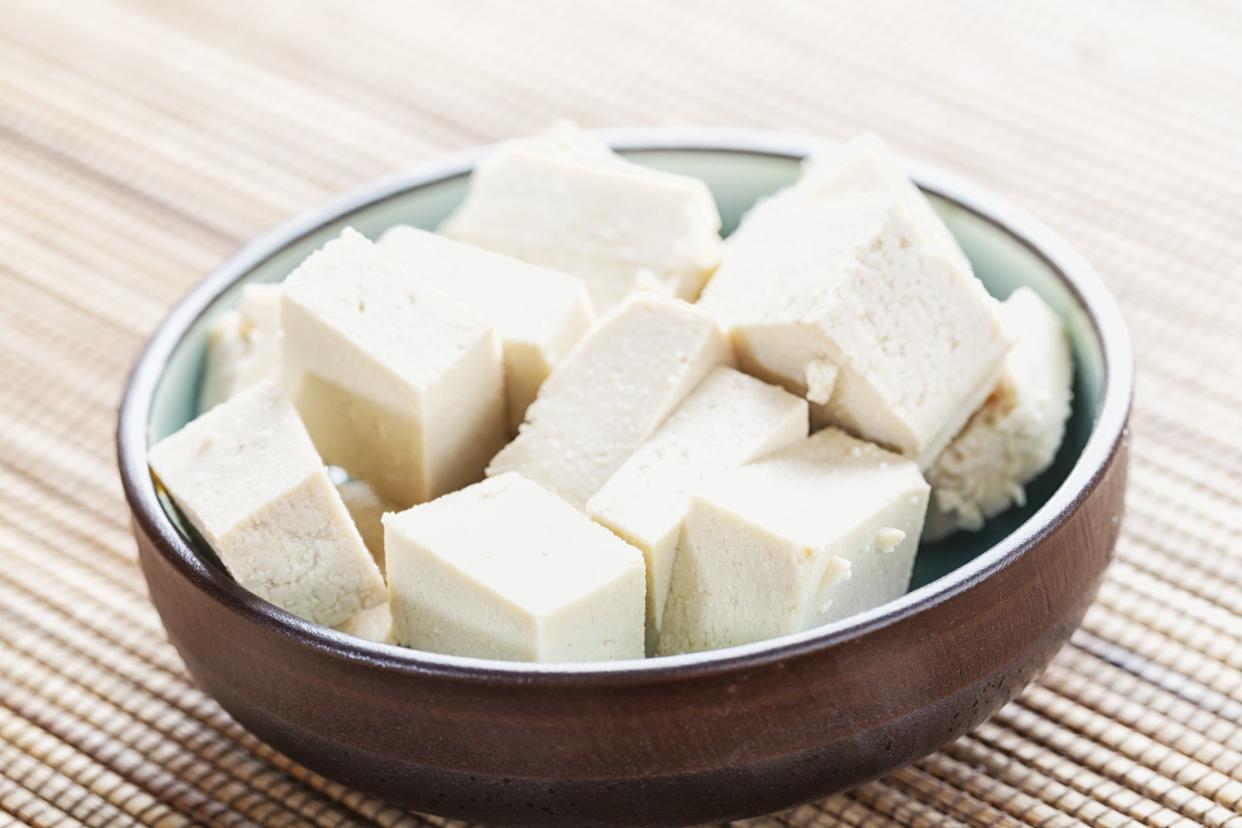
(141, 143)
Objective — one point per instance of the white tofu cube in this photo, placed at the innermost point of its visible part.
(539, 313)
(1015, 435)
(563, 199)
(839, 300)
(729, 419)
(810, 534)
(865, 164)
(397, 383)
(374, 624)
(366, 508)
(243, 345)
(247, 478)
(504, 569)
(611, 393)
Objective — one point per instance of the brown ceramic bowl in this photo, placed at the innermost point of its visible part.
(718, 735)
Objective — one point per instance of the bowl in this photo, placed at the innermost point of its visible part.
(685, 739)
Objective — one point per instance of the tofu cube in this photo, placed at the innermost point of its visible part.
(374, 624)
(539, 313)
(397, 383)
(243, 345)
(729, 419)
(611, 393)
(246, 476)
(841, 301)
(1015, 435)
(810, 534)
(504, 569)
(865, 164)
(565, 200)
(366, 508)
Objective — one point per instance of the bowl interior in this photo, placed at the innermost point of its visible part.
(737, 179)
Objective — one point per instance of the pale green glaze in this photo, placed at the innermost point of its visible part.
(736, 180)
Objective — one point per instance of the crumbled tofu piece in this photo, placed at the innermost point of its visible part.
(611, 393)
(809, 286)
(243, 345)
(563, 199)
(887, 540)
(374, 624)
(821, 380)
(810, 534)
(366, 508)
(397, 383)
(1015, 435)
(865, 164)
(539, 313)
(503, 569)
(729, 419)
(247, 478)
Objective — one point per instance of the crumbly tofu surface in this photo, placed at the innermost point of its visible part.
(729, 419)
(374, 624)
(563, 199)
(504, 569)
(539, 313)
(810, 534)
(865, 164)
(243, 345)
(247, 477)
(367, 508)
(840, 301)
(611, 393)
(1015, 435)
(398, 384)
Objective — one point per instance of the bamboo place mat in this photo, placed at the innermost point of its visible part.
(141, 143)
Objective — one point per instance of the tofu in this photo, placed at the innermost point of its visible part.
(564, 200)
(647, 282)
(243, 345)
(611, 393)
(503, 569)
(841, 301)
(1015, 435)
(374, 624)
(247, 478)
(397, 383)
(729, 419)
(539, 313)
(366, 508)
(813, 533)
(865, 164)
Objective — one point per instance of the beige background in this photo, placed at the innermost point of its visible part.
(142, 142)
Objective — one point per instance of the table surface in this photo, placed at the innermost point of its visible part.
(143, 142)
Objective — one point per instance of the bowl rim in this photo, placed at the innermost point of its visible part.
(1067, 264)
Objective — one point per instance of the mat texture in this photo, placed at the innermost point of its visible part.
(142, 142)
